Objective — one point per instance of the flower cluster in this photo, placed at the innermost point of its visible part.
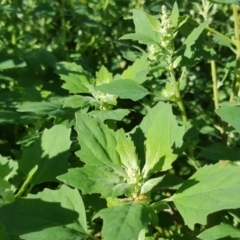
(167, 31)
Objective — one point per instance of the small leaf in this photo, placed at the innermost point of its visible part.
(174, 15)
(209, 190)
(142, 38)
(138, 71)
(221, 231)
(95, 179)
(76, 78)
(126, 150)
(231, 115)
(116, 115)
(125, 89)
(150, 184)
(103, 76)
(49, 215)
(125, 221)
(50, 154)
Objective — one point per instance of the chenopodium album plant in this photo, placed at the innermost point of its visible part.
(124, 168)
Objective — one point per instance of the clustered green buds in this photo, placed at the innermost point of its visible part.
(167, 33)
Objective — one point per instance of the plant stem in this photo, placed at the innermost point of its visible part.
(183, 115)
(215, 83)
(27, 181)
(236, 82)
(178, 97)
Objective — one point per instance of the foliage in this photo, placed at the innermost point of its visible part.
(118, 123)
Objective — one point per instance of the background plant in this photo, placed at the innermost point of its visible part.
(134, 138)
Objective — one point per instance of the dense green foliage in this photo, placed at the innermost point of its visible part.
(119, 120)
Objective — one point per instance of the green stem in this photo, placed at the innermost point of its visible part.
(215, 82)
(27, 181)
(178, 97)
(183, 115)
(236, 82)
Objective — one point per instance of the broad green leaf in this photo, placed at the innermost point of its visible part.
(125, 221)
(191, 39)
(49, 215)
(50, 154)
(126, 151)
(209, 190)
(125, 89)
(103, 76)
(146, 24)
(218, 151)
(138, 71)
(95, 179)
(237, 2)
(116, 115)
(6, 236)
(76, 78)
(142, 38)
(221, 231)
(98, 143)
(150, 184)
(12, 63)
(231, 115)
(163, 137)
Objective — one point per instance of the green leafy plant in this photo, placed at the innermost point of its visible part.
(145, 151)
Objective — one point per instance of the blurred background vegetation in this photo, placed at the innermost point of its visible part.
(35, 35)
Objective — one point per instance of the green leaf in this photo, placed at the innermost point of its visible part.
(6, 236)
(231, 115)
(221, 231)
(42, 108)
(50, 154)
(163, 137)
(142, 38)
(191, 39)
(76, 78)
(209, 190)
(95, 179)
(237, 2)
(8, 168)
(126, 151)
(124, 221)
(146, 24)
(125, 89)
(12, 63)
(218, 151)
(116, 115)
(138, 71)
(150, 184)
(220, 40)
(48, 215)
(103, 76)
(77, 101)
(98, 143)
(174, 15)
